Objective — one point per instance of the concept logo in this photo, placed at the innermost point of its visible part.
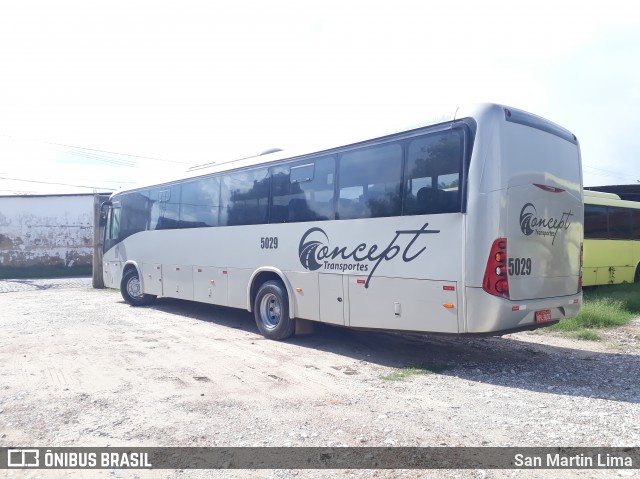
(23, 458)
(525, 219)
(307, 249)
(530, 223)
(315, 252)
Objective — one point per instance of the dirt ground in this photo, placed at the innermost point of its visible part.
(79, 367)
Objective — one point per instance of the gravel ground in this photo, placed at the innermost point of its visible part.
(79, 367)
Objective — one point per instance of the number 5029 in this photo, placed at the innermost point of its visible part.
(269, 242)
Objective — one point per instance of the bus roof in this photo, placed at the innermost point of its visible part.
(608, 199)
(601, 194)
(269, 156)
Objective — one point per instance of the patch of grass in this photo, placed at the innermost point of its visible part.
(604, 307)
(627, 293)
(405, 373)
(586, 335)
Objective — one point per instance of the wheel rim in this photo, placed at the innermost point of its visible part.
(270, 310)
(133, 288)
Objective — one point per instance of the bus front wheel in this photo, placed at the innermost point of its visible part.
(636, 279)
(271, 309)
(131, 289)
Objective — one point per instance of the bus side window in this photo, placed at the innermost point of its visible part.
(302, 191)
(136, 210)
(244, 198)
(433, 173)
(114, 230)
(369, 182)
(170, 208)
(154, 208)
(199, 205)
(635, 228)
(595, 222)
(619, 223)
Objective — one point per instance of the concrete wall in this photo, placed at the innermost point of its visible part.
(46, 235)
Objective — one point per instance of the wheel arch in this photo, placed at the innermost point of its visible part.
(262, 275)
(130, 264)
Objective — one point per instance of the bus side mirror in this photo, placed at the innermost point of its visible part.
(104, 211)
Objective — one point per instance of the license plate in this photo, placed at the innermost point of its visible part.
(543, 316)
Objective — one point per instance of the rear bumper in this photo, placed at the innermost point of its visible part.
(487, 314)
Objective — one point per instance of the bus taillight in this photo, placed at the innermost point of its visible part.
(495, 280)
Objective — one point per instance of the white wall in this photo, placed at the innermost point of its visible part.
(48, 232)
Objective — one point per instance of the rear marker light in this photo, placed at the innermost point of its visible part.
(361, 281)
(449, 288)
(515, 308)
(550, 189)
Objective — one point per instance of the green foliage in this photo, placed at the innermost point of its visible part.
(422, 368)
(604, 307)
(587, 335)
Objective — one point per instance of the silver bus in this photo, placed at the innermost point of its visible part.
(468, 225)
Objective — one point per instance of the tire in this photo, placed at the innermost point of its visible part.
(131, 290)
(271, 310)
(636, 278)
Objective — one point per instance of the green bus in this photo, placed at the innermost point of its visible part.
(611, 239)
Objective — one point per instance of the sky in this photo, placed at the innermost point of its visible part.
(102, 95)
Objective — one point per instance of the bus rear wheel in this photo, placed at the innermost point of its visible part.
(131, 289)
(636, 278)
(271, 310)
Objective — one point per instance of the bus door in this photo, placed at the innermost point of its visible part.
(111, 258)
